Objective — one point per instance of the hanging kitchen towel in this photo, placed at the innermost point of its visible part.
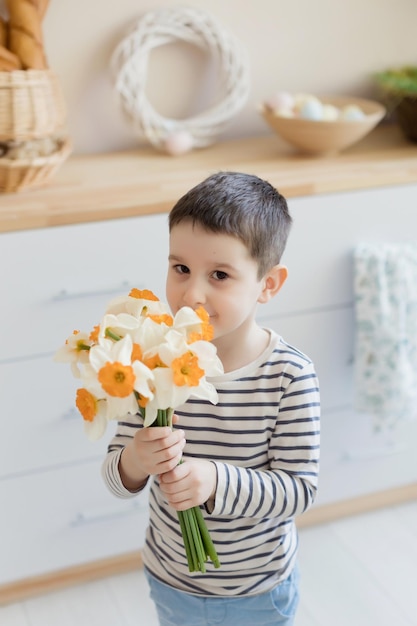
(385, 286)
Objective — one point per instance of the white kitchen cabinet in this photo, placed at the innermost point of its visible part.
(56, 511)
(54, 280)
(315, 312)
(325, 230)
(51, 520)
(43, 428)
(357, 461)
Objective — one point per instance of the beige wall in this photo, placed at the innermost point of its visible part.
(317, 46)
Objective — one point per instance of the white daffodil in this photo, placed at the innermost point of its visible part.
(186, 317)
(118, 325)
(194, 324)
(137, 303)
(94, 413)
(207, 357)
(150, 334)
(113, 371)
(176, 343)
(178, 375)
(74, 351)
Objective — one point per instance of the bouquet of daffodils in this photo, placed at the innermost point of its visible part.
(140, 359)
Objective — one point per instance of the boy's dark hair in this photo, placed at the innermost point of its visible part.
(241, 205)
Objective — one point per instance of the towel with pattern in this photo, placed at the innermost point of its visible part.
(385, 289)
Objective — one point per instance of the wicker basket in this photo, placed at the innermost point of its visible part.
(31, 104)
(17, 175)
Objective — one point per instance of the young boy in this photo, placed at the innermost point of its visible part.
(251, 461)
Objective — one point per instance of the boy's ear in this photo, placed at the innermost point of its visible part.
(272, 282)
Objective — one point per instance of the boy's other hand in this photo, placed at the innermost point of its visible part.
(191, 483)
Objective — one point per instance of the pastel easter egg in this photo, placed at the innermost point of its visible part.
(352, 112)
(179, 142)
(280, 101)
(330, 113)
(301, 98)
(311, 109)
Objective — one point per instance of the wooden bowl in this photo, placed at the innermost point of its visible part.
(323, 137)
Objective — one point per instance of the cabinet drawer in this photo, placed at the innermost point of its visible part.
(41, 426)
(327, 337)
(63, 518)
(58, 279)
(325, 230)
(356, 459)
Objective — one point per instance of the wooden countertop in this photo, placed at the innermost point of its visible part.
(95, 187)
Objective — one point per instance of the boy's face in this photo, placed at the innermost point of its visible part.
(215, 271)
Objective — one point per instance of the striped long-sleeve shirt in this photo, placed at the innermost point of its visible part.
(263, 436)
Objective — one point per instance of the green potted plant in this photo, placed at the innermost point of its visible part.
(399, 86)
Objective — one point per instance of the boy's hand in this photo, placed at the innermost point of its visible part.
(190, 484)
(153, 450)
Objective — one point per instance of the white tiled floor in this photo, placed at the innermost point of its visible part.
(359, 571)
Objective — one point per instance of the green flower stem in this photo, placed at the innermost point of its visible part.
(207, 540)
(186, 540)
(199, 547)
(192, 544)
(198, 541)
(160, 418)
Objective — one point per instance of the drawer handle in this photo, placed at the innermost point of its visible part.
(68, 295)
(82, 518)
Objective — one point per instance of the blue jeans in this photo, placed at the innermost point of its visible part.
(179, 608)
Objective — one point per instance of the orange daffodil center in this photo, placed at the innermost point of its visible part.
(162, 319)
(186, 370)
(136, 352)
(94, 335)
(207, 330)
(154, 361)
(93, 412)
(143, 294)
(117, 379)
(86, 403)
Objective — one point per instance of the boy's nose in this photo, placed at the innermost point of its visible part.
(194, 295)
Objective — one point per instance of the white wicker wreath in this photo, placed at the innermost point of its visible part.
(129, 64)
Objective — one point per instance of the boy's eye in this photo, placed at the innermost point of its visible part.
(219, 275)
(181, 269)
